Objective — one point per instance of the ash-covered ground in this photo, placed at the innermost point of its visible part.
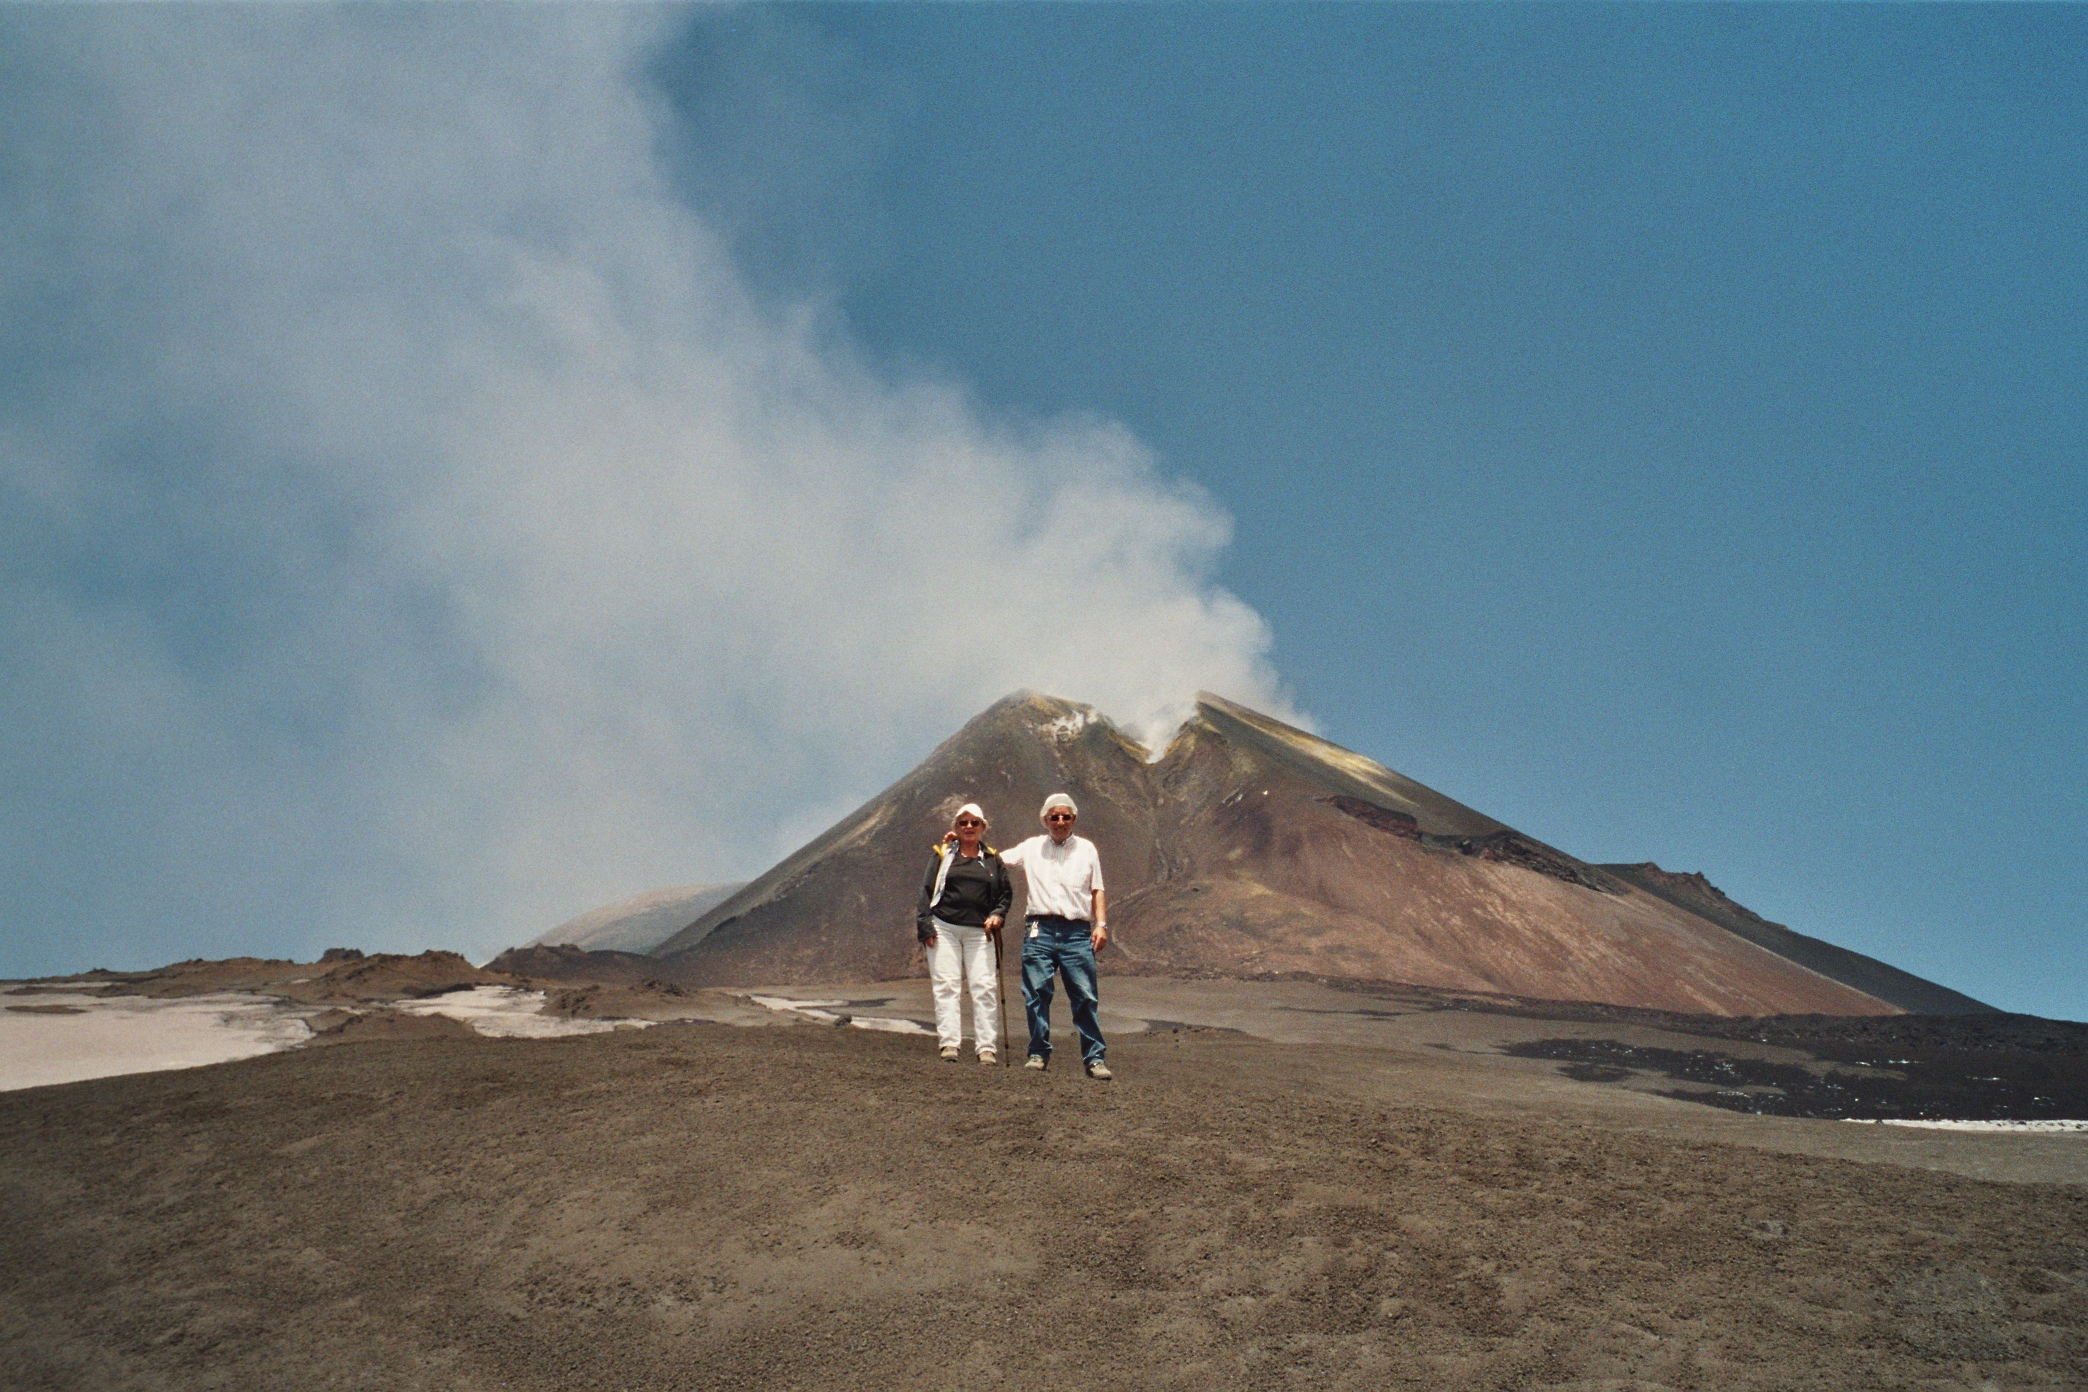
(1287, 1186)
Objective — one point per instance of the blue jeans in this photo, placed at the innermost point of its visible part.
(1060, 947)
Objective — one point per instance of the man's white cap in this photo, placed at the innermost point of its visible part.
(1057, 800)
(971, 807)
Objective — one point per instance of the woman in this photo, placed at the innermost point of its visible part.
(964, 900)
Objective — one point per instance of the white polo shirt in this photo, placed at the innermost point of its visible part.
(1063, 877)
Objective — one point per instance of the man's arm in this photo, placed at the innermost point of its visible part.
(1004, 895)
(1099, 935)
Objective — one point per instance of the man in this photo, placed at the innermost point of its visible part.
(1066, 927)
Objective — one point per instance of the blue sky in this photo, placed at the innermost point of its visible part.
(1658, 427)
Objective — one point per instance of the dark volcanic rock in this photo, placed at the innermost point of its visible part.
(342, 975)
(1914, 1067)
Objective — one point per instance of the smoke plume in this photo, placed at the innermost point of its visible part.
(417, 531)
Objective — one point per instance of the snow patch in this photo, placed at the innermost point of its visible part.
(1152, 737)
(825, 1012)
(888, 1024)
(2015, 1128)
(820, 1010)
(509, 1012)
(1069, 725)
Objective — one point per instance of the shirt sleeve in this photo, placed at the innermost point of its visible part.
(1094, 868)
(921, 912)
(1014, 854)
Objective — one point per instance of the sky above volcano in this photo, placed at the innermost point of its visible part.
(460, 466)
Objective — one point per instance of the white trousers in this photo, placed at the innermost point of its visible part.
(958, 952)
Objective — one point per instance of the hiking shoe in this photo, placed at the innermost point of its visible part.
(1100, 1070)
(988, 1057)
(1035, 1061)
(950, 1053)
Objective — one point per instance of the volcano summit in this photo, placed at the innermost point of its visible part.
(1250, 848)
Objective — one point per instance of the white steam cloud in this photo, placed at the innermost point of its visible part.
(417, 532)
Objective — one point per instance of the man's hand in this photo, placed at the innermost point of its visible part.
(1100, 936)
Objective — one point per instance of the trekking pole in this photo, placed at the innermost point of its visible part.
(1000, 991)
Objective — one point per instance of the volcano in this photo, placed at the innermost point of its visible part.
(1251, 848)
(640, 922)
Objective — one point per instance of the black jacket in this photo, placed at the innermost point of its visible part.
(975, 891)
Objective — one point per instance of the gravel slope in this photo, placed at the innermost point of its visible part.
(698, 1206)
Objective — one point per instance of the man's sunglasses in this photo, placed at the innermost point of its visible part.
(1060, 817)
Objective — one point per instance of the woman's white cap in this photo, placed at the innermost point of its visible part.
(1057, 800)
(971, 807)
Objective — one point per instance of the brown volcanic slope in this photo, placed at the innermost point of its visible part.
(1888, 983)
(841, 908)
(1254, 848)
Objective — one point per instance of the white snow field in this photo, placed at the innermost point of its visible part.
(60, 1037)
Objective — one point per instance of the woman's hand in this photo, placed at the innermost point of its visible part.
(993, 923)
